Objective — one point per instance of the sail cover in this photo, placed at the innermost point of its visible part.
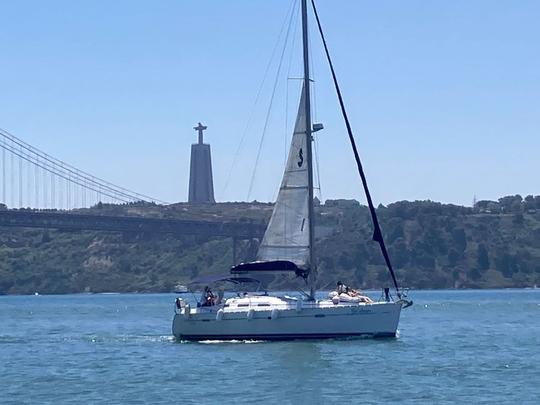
(287, 234)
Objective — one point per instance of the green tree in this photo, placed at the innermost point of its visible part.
(483, 257)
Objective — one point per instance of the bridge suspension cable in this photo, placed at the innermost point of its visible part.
(57, 184)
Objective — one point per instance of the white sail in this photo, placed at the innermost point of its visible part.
(287, 235)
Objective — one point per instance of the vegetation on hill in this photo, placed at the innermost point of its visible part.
(494, 244)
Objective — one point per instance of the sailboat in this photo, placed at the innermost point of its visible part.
(288, 247)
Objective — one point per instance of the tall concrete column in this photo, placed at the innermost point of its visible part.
(201, 184)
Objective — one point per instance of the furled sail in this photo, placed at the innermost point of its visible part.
(287, 235)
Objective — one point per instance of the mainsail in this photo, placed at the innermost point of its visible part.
(287, 235)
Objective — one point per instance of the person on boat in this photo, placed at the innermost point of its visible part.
(344, 289)
(219, 297)
(208, 298)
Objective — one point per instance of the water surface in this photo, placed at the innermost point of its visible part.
(452, 346)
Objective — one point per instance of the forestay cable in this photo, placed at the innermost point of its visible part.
(377, 233)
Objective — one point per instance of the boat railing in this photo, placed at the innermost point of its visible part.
(294, 305)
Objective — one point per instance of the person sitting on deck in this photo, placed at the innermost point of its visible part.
(343, 289)
(208, 298)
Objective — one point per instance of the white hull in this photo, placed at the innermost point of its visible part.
(317, 320)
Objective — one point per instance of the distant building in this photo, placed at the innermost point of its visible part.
(201, 184)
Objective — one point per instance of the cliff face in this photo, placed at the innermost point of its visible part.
(432, 245)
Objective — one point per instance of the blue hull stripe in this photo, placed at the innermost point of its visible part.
(292, 336)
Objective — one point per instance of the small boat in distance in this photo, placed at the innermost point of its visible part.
(180, 289)
(288, 247)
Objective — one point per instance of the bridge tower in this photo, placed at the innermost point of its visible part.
(201, 184)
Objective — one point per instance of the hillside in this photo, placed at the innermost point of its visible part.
(496, 244)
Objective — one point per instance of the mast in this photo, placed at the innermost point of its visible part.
(305, 42)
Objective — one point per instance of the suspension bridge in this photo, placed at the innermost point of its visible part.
(32, 178)
(41, 191)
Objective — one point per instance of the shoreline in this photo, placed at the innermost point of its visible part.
(367, 291)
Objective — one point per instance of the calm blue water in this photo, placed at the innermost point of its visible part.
(453, 346)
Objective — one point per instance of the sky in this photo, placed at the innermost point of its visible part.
(443, 97)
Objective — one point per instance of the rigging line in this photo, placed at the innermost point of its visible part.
(79, 172)
(286, 138)
(314, 117)
(377, 233)
(286, 135)
(66, 167)
(295, 30)
(257, 97)
(316, 144)
(14, 152)
(270, 107)
(312, 80)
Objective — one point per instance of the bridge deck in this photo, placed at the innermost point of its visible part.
(69, 221)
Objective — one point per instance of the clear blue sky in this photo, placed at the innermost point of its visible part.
(444, 96)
